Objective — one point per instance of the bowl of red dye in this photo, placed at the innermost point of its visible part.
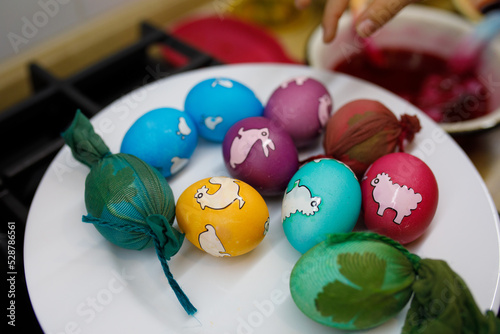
(410, 56)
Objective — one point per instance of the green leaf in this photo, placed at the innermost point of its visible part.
(366, 270)
(365, 305)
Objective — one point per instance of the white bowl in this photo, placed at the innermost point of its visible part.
(418, 28)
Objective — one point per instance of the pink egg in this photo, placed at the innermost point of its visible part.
(400, 197)
(261, 154)
(302, 106)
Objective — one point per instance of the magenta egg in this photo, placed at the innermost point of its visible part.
(399, 197)
(260, 153)
(302, 106)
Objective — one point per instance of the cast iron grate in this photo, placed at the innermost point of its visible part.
(30, 131)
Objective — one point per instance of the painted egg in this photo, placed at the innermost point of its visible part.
(222, 216)
(165, 138)
(260, 153)
(323, 197)
(352, 285)
(302, 106)
(216, 104)
(400, 197)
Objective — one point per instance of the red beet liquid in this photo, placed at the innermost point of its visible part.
(424, 80)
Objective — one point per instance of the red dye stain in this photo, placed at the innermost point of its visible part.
(425, 80)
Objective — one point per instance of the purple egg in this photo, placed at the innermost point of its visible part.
(302, 106)
(260, 153)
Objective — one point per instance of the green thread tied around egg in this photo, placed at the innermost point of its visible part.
(360, 280)
(129, 202)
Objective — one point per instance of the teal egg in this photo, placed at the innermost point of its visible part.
(165, 138)
(323, 197)
(353, 285)
(215, 104)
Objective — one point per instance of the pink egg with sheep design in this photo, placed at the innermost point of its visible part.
(302, 107)
(261, 154)
(400, 197)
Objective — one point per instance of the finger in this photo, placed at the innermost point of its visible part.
(378, 13)
(301, 4)
(332, 13)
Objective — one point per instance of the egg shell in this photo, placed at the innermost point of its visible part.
(165, 138)
(260, 153)
(366, 149)
(400, 197)
(215, 104)
(323, 197)
(302, 106)
(343, 276)
(222, 216)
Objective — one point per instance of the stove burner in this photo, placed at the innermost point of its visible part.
(30, 131)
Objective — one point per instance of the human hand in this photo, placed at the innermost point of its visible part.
(369, 15)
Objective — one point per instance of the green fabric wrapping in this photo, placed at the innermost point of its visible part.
(441, 302)
(86, 146)
(129, 202)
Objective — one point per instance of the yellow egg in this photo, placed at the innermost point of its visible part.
(222, 216)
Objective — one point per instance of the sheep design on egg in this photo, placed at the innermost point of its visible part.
(400, 197)
(391, 195)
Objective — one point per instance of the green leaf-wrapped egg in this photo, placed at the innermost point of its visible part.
(128, 201)
(354, 284)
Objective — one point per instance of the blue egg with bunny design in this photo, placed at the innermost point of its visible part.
(164, 137)
(215, 104)
(323, 197)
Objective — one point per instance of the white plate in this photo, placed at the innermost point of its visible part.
(81, 283)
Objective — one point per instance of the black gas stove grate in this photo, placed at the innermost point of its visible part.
(30, 131)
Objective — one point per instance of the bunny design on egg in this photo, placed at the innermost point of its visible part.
(183, 127)
(299, 81)
(165, 138)
(215, 104)
(241, 146)
(324, 109)
(212, 121)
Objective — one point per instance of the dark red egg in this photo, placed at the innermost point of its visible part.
(260, 153)
(362, 130)
(400, 197)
